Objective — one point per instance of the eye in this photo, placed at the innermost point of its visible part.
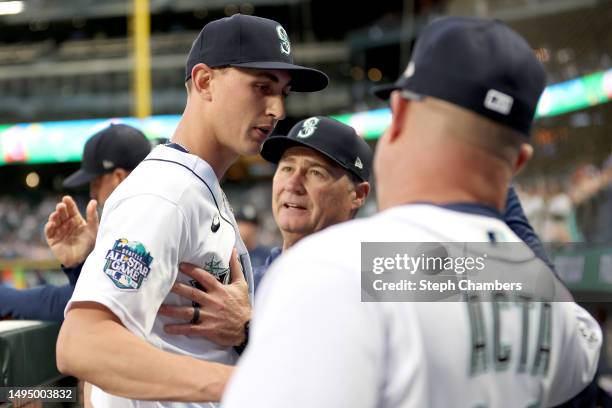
(285, 168)
(316, 172)
(263, 88)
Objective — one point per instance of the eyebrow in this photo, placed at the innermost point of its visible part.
(275, 79)
(325, 164)
(269, 76)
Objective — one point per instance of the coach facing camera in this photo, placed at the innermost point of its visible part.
(461, 115)
(322, 179)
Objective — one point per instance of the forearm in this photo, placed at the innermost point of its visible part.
(125, 365)
(40, 303)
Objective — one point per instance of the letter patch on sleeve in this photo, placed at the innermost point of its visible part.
(128, 264)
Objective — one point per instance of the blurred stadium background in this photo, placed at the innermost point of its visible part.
(68, 68)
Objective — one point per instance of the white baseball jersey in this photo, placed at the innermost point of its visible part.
(169, 210)
(314, 343)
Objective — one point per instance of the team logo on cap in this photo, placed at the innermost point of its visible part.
(498, 102)
(285, 45)
(128, 264)
(308, 127)
(358, 163)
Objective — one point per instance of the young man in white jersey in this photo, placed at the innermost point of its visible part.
(171, 210)
(462, 113)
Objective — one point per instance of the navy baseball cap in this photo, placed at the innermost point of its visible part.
(333, 139)
(117, 146)
(247, 213)
(480, 65)
(251, 42)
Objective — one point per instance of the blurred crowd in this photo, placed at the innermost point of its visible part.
(22, 223)
(574, 208)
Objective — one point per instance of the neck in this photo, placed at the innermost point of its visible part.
(289, 239)
(467, 175)
(200, 139)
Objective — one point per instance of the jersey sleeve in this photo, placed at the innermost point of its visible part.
(135, 260)
(45, 302)
(515, 218)
(579, 344)
(312, 341)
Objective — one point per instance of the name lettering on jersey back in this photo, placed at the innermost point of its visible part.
(488, 348)
(128, 264)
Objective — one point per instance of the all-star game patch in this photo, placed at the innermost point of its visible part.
(128, 264)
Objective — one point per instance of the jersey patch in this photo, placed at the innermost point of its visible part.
(128, 264)
(216, 268)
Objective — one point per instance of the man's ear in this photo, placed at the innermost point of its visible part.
(399, 109)
(361, 193)
(201, 75)
(119, 175)
(525, 154)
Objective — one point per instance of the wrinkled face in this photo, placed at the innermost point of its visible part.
(102, 186)
(246, 106)
(309, 193)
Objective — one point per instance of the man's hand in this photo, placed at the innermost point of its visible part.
(69, 236)
(225, 309)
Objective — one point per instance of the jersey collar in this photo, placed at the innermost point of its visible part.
(468, 208)
(194, 163)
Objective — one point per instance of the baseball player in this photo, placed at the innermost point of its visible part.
(171, 210)
(108, 157)
(462, 113)
(321, 179)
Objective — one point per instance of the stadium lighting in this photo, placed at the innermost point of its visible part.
(32, 180)
(11, 7)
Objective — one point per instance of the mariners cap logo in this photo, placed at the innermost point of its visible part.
(285, 44)
(308, 127)
(498, 102)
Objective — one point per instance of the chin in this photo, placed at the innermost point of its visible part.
(251, 150)
(291, 228)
